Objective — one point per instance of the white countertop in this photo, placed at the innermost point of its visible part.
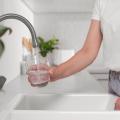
(80, 83)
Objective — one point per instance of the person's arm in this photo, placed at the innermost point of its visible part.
(83, 57)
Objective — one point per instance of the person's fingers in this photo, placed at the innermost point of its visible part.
(46, 78)
(37, 67)
(34, 81)
(32, 68)
(42, 67)
(117, 104)
(31, 81)
(31, 73)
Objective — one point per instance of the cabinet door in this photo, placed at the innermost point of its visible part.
(39, 6)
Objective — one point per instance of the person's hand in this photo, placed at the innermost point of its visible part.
(38, 74)
(117, 104)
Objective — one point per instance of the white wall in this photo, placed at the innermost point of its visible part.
(10, 61)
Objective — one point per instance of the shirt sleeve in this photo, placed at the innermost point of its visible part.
(96, 11)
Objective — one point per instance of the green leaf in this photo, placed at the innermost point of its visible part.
(2, 47)
(47, 46)
(4, 29)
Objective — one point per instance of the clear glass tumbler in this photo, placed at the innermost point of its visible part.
(38, 77)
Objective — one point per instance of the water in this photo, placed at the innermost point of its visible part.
(39, 77)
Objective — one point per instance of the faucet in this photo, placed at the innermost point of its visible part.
(36, 54)
(31, 29)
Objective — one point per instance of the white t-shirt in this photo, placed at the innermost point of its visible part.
(108, 13)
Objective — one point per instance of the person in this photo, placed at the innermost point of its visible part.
(104, 27)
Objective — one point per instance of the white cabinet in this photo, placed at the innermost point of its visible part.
(38, 6)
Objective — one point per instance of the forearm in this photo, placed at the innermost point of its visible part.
(82, 58)
(78, 62)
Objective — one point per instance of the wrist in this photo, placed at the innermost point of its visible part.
(52, 73)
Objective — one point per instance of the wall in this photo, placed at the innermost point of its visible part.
(10, 61)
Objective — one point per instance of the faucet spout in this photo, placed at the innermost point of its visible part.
(33, 34)
(26, 22)
(31, 29)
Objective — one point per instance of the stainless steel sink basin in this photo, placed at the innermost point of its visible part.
(63, 107)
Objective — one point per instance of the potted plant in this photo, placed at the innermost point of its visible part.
(3, 30)
(47, 47)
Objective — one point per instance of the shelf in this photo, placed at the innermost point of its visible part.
(59, 6)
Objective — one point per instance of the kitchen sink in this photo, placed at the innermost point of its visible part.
(63, 107)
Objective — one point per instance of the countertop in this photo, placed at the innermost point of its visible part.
(81, 83)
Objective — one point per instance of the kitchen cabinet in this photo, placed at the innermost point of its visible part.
(46, 6)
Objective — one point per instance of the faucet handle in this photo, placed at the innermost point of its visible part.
(2, 81)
